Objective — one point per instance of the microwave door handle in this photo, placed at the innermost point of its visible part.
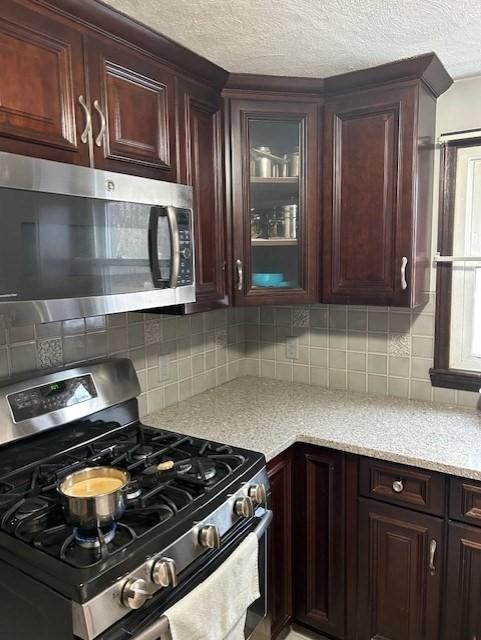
(155, 214)
(175, 246)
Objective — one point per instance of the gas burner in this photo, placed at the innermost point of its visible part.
(133, 491)
(184, 467)
(31, 507)
(95, 539)
(200, 468)
(143, 452)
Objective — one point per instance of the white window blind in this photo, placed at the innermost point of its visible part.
(465, 349)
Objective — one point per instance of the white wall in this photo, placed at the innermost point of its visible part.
(460, 107)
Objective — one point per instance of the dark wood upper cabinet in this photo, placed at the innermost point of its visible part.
(133, 111)
(319, 555)
(41, 86)
(461, 620)
(280, 543)
(274, 149)
(378, 173)
(400, 573)
(201, 165)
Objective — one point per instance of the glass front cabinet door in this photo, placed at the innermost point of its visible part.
(276, 212)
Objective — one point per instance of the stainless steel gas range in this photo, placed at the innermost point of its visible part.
(188, 504)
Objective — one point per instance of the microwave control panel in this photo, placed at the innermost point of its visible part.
(37, 401)
(186, 265)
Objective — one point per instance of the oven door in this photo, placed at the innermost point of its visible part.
(150, 624)
(78, 242)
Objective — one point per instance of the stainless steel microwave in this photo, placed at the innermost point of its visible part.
(77, 242)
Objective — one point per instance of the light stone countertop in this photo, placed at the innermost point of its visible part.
(270, 415)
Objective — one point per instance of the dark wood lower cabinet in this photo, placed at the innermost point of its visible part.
(359, 568)
(319, 539)
(280, 543)
(400, 573)
(462, 616)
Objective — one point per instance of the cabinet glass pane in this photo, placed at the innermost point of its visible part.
(275, 215)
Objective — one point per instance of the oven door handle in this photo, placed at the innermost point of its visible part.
(161, 626)
(263, 524)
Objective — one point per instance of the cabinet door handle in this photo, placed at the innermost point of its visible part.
(84, 136)
(404, 264)
(432, 554)
(240, 274)
(103, 123)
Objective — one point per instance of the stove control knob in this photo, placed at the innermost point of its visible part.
(257, 493)
(134, 593)
(244, 507)
(164, 573)
(209, 536)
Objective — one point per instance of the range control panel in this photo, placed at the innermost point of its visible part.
(37, 401)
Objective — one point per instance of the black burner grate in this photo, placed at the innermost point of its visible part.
(31, 508)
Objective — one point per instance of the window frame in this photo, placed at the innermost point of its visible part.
(441, 374)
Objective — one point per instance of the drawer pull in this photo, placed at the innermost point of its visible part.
(432, 554)
(398, 486)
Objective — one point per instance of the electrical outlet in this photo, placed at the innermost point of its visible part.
(291, 348)
(164, 367)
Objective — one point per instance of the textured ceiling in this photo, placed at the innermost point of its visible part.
(317, 38)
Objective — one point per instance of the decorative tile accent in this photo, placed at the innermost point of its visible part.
(399, 344)
(221, 338)
(301, 317)
(50, 353)
(153, 332)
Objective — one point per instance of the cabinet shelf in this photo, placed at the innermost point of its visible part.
(274, 242)
(288, 180)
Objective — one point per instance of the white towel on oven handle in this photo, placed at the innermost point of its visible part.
(217, 608)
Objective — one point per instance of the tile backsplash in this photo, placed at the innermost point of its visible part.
(386, 351)
(175, 357)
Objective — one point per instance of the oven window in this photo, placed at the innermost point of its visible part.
(56, 246)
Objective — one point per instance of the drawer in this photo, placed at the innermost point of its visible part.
(465, 500)
(398, 484)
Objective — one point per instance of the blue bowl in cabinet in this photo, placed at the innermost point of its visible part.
(267, 279)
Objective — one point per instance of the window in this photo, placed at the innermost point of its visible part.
(457, 362)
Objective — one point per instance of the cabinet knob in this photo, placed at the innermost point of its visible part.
(398, 486)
